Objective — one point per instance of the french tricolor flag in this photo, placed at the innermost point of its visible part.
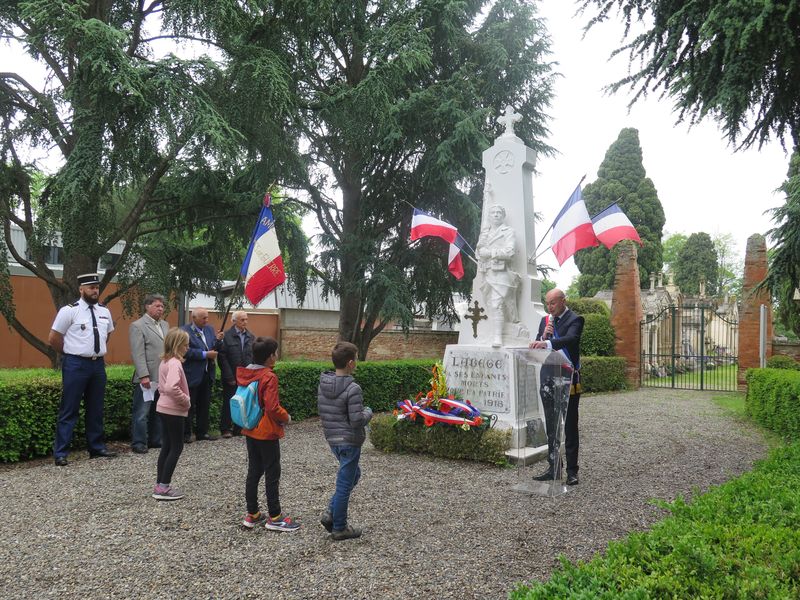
(262, 268)
(612, 226)
(454, 264)
(572, 229)
(423, 225)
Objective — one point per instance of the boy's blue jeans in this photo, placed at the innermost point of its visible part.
(346, 479)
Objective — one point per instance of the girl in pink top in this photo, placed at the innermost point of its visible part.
(173, 407)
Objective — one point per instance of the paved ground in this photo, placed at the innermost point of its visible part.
(433, 528)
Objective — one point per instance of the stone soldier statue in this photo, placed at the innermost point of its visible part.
(495, 251)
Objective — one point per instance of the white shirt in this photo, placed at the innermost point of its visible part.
(74, 322)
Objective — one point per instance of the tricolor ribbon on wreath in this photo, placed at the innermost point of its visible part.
(456, 412)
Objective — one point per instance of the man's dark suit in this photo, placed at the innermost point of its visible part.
(200, 374)
(236, 351)
(567, 337)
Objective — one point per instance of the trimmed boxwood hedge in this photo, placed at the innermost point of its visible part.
(781, 361)
(773, 400)
(602, 373)
(29, 400)
(739, 540)
(598, 336)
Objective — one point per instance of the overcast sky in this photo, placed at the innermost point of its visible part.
(702, 184)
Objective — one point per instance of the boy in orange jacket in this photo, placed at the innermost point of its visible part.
(263, 446)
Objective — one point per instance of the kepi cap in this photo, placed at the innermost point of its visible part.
(89, 279)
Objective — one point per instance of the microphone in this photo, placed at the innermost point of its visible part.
(545, 334)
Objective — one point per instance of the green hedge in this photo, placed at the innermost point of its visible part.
(781, 361)
(483, 443)
(598, 336)
(602, 373)
(740, 540)
(29, 400)
(773, 400)
(384, 383)
(588, 306)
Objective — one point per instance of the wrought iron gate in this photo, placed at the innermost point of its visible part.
(691, 347)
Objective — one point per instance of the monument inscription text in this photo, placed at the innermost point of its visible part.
(482, 377)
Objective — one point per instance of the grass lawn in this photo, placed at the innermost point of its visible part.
(723, 378)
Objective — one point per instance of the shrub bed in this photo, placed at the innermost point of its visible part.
(29, 400)
(781, 361)
(740, 540)
(602, 373)
(773, 400)
(484, 444)
(598, 336)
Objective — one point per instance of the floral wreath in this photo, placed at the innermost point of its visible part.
(434, 408)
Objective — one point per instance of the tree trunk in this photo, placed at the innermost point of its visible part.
(350, 293)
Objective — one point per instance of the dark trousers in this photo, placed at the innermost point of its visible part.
(225, 423)
(82, 378)
(171, 446)
(571, 437)
(198, 413)
(263, 459)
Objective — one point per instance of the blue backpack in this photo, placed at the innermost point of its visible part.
(246, 411)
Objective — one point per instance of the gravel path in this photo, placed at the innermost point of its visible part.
(91, 530)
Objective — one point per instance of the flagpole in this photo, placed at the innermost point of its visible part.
(233, 295)
(544, 235)
(606, 208)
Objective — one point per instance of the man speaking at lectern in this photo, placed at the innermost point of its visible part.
(561, 329)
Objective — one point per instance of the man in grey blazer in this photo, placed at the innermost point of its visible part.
(147, 345)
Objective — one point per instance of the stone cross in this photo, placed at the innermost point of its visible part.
(508, 119)
(475, 316)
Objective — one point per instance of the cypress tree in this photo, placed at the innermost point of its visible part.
(622, 179)
(697, 260)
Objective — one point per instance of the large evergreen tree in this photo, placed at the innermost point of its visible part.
(385, 103)
(735, 61)
(783, 277)
(622, 179)
(146, 150)
(697, 261)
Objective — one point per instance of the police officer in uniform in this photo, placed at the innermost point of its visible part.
(81, 331)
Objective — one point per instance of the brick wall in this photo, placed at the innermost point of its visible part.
(787, 349)
(626, 312)
(315, 344)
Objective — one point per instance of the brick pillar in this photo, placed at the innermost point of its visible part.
(626, 312)
(755, 270)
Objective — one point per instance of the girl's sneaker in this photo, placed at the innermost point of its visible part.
(281, 524)
(251, 521)
(166, 492)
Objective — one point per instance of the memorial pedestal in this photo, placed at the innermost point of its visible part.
(528, 392)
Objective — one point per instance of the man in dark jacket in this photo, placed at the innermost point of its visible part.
(341, 408)
(200, 367)
(561, 329)
(236, 351)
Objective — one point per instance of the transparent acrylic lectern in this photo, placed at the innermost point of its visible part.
(543, 383)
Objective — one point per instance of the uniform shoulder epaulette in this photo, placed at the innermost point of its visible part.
(101, 304)
(75, 303)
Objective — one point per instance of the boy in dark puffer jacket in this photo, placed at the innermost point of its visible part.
(341, 408)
